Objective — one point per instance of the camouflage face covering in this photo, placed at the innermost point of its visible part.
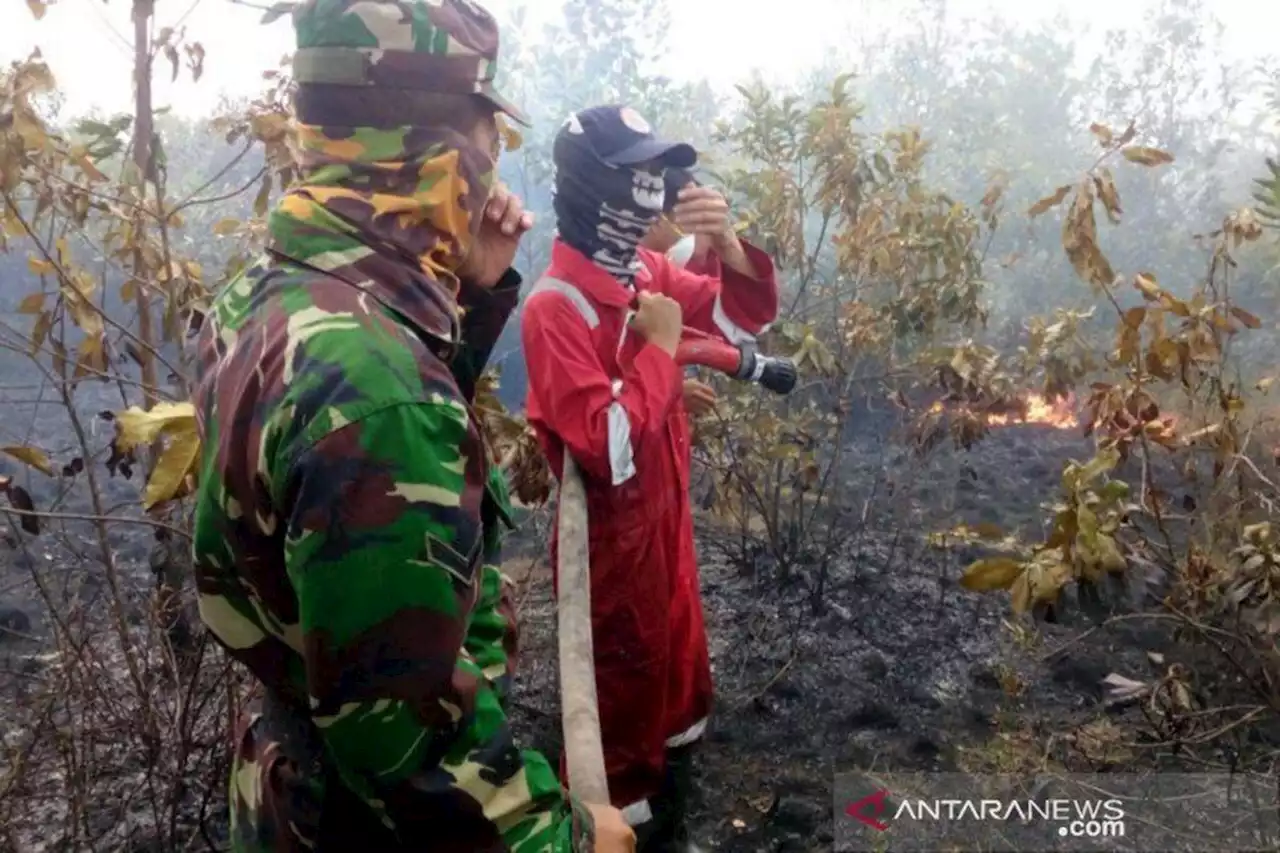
(369, 195)
(409, 192)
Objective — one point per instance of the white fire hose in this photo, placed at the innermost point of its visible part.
(579, 709)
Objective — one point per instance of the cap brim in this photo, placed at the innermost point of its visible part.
(506, 107)
(681, 155)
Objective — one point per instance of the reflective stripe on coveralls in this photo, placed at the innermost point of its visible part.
(621, 455)
(732, 332)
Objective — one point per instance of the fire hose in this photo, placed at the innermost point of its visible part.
(580, 712)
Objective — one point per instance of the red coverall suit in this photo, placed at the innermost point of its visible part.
(616, 401)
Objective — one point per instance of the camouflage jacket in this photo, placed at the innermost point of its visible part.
(346, 537)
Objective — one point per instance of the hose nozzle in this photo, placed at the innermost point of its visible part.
(773, 373)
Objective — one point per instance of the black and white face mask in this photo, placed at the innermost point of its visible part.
(603, 211)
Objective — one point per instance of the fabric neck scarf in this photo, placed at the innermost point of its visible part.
(393, 211)
(602, 211)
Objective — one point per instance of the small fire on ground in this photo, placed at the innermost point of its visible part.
(1059, 414)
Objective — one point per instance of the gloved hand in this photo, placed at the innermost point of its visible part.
(613, 835)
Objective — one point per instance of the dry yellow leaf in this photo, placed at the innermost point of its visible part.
(1245, 317)
(32, 303)
(1020, 594)
(136, 427)
(40, 266)
(90, 170)
(1146, 282)
(1134, 316)
(178, 459)
(1049, 201)
(32, 456)
(1145, 156)
(40, 332)
(1108, 194)
(991, 574)
(91, 358)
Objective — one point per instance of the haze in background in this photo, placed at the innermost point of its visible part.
(91, 52)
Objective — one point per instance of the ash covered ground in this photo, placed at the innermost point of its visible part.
(895, 667)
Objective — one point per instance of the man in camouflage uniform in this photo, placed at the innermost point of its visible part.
(347, 525)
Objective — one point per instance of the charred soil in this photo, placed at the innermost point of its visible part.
(894, 667)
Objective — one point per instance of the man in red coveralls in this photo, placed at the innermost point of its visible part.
(599, 331)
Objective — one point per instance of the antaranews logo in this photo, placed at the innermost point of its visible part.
(870, 809)
(1091, 818)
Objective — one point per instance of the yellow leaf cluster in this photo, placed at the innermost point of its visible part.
(174, 422)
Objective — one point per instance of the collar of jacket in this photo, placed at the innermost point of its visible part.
(571, 265)
(398, 284)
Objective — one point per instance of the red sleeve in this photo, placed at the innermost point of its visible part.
(718, 299)
(576, 399)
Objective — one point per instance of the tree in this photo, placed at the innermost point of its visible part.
(131, 692)
(890, 267)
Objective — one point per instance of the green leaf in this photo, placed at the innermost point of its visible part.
(1109, 556)
(1099, 465)
(1114, 490)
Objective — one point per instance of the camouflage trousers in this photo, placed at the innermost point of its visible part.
(282, 797)
(285, 798)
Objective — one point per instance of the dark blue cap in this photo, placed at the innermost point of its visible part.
(620, 136)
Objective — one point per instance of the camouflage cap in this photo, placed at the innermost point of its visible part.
(442, 46)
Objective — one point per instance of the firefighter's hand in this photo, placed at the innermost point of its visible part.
(494, 248)
(659, 320)
(612, 833)
(698, 397)
(702, 210)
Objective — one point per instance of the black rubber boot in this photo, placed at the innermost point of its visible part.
(680, 771)
(668, 831)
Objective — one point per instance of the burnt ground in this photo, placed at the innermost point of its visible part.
(894, 667)
(898, 669)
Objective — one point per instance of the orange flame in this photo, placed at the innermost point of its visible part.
(1059, 414)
